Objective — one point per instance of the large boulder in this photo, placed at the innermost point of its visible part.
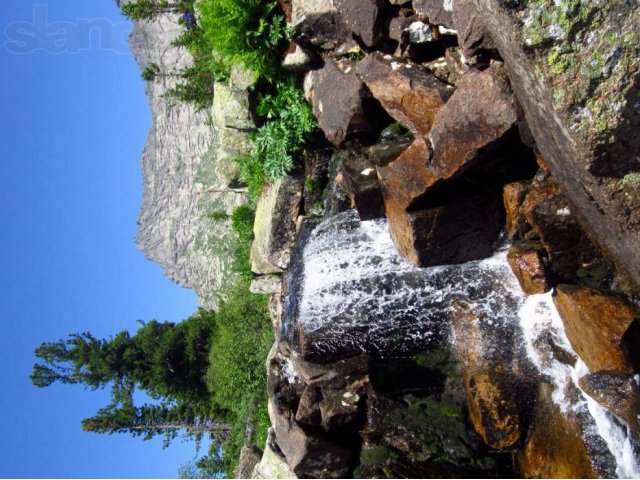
(274, 227)
(556, 446)
(437, 214)
(617, 392)
(407, 91)
(364, 18)
(575, 71)
(438, 12)
(473, 37)
(602, 328)
(272, 464)
(337, 96)
(250, 456)
(513, 196)
(486, 358)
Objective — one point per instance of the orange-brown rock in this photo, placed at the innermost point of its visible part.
(555, 446)
(476, 117)
(525, 260)
(513, 196)
(599, 326)
(407, 91)
(463, 229)
(617, 392)
(550, 215)
(488, 379)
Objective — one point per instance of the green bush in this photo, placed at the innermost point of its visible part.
(243, 32)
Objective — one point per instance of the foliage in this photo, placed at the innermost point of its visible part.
(166, 360)
(242, 223)
(245, 32)
(209, 466)
(236, 376)
(149, 9)
(289, 123)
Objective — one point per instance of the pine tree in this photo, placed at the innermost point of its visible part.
(149, 9)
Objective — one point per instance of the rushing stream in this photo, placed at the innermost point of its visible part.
(354, 294)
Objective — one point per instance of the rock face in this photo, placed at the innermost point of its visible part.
(568, 97)
(599, 326)
(186, 170)
(555, 447)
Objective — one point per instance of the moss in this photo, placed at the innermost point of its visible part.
(376, 455)
(631, 180)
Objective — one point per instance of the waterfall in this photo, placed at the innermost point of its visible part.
(355, 294)
(539, 316)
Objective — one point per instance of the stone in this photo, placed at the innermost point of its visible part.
(556, 447)
(472, 35)
(300, 60)
(308, 411)
(358, 178)
(308, 455)
(600, 327)
(250, 456)
(272, 464)
(485, 358)
(339, 408)
(567, 98)
(617, 392)
(267, 284)
(337, 96)
(525, 260)
(407, 91)
(547, 211)
(274, 227)
(438, 12)
(364, 18)
(319, 23)
(398, 26)
(476, 117)
(513, 196)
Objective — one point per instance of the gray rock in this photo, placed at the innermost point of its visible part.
(268, 284)
(273, 464)
(438, 12)
(186, 169)
(319, 22)
(274, 227)
(298, 61)
(250, 456)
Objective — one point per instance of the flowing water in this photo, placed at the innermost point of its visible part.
(354, 294)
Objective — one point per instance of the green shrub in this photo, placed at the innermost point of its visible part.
(243, 32)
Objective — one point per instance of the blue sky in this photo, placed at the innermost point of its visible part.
(73, 122)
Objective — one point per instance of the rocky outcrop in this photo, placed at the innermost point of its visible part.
(186, 170)
(576, 72)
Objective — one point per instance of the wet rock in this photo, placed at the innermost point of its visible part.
(525, 259)
(439, 12)
(513, 196)
(319, 23)
(274, 227)
(617, 392)
(363, 17)
(337, 96)
(472, 34)
(486, 357)
(358, 178)
(600, 326)
(407, 91)
(330, 373)
(268, 284)
(250, 456)
(549, 214)
(556, 446)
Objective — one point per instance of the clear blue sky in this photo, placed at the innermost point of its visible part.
(74, 120)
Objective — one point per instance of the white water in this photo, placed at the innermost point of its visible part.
(355, 278)
(539, 316)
